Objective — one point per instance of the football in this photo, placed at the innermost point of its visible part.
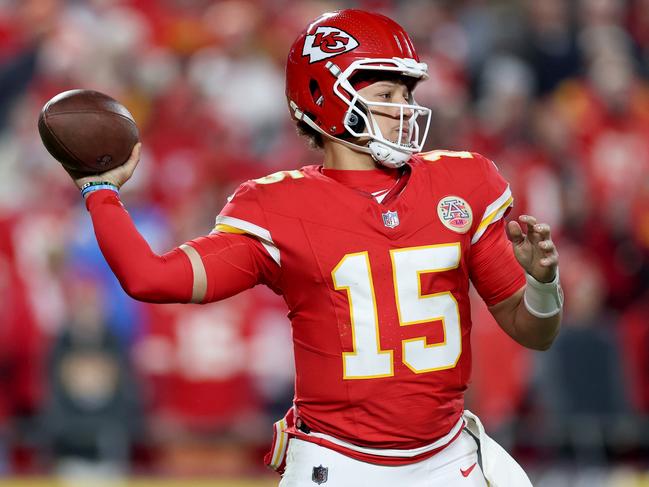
(88, 132)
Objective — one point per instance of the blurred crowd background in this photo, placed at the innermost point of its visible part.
(556, 92)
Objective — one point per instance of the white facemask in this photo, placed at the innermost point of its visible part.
(384, 151)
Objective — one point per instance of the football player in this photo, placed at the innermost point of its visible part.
(373, 252)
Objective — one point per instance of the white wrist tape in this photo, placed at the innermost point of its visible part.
(543, 299)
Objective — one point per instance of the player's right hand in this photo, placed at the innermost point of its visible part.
(534, 249)
(116, 176)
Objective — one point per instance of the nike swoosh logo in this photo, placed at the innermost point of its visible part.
(466, 472)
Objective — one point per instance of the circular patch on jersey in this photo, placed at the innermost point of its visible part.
(455, 213)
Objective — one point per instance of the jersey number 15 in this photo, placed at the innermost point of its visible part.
(353, 274)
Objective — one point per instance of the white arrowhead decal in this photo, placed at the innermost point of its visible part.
(327, 42)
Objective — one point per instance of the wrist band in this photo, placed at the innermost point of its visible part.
(92, 186)
(543, 299)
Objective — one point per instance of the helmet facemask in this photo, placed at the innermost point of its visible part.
(360, 122)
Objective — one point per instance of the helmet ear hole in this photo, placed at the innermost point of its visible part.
(355, 121)
(316, 92)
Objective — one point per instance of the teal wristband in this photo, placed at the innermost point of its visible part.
(93, 186)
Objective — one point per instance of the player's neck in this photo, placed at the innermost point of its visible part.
(338, 156)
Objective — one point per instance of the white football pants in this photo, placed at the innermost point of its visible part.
(455, 465)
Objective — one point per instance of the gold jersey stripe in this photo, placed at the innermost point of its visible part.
(199, 288)
(221, 227)
(281, 427)
(487, 220)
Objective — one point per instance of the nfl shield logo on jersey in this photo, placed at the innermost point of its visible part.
(320, 474)
(390, 219)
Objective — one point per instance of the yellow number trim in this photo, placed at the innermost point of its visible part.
(278, 176)
(347, 289)
(425, 308)
(420, 295)
(436, 155)
(419, 274)
(433, 345)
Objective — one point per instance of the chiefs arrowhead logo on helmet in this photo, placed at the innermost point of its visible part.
(327, 42)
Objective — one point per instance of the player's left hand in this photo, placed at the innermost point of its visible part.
(534, 249)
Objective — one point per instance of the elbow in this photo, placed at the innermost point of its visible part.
(135, 290)
(155, 281)
(141, 290)
(542, 344)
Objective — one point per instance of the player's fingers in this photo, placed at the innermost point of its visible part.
(546, 246)
(132, 162)
(134, 158)
(529, 221)
(550, 260)
(514, 232)
(119, 175)
(543, 229)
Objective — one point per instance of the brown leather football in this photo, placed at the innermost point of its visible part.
(86, 131)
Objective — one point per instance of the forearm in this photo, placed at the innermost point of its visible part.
(532, 331)
(143, 274)
(532, 315)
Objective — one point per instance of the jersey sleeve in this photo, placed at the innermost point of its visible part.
(231, 263)
(243, 214)
(239, 252)
(494, 270)
(493, 198)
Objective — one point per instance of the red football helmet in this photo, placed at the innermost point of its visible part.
(333, 48)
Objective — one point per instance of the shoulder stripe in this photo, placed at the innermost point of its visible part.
(227, 229)
(199, 288)
(493, 213)
(229, 224)
(272, 251)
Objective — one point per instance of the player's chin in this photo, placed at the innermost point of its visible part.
(404, 139)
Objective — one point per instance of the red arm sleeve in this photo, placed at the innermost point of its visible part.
(494, 270)
(143, 274)
(232, 262)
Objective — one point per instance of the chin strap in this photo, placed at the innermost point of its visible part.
(380, 152)
(388, 156)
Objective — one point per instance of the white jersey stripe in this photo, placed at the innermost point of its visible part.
(281, 442)
(493, 213)
(262, 234)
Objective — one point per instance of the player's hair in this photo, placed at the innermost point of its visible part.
(314, 138)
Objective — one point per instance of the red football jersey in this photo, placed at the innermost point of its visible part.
(378, 294)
